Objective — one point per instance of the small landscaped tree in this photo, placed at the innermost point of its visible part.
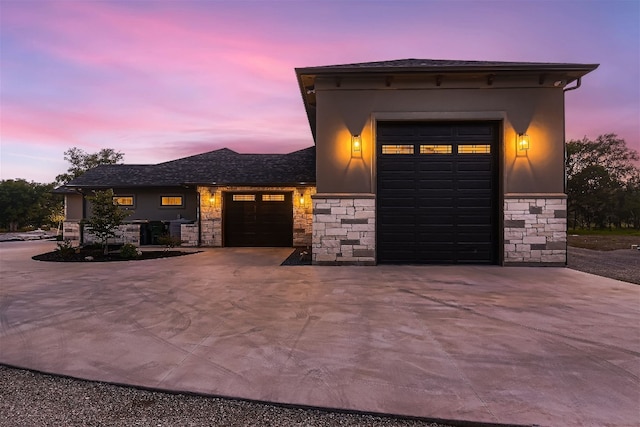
(107, 216)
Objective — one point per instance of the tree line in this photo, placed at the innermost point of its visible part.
(27, 204)
(603, 186)
(603, 183)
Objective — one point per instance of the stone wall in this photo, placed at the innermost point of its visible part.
(535, 229)
(71, 232)
(344, 229)
(210, 216)
(126, 233)
(189, 234)
(211, 212)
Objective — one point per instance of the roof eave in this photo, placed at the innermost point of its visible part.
(443, 69)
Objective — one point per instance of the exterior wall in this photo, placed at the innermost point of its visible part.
(535, 229)
(73, 207)
(211, 212)
(189, 234)
(344, 229)
(126, 233)
(71, 232)
(522, 106)
(147, 204)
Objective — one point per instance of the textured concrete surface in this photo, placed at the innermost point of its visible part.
(546, 346)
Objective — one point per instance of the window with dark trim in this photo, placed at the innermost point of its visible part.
(126, 201)
(171, 201)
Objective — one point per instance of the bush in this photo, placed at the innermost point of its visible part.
(169, 241)
(129, 251)
(65, 249)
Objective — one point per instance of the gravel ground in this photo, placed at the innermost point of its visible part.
(621, 264)
(33, 399)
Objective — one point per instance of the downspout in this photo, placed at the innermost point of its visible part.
(564, 136)
(578, 83)
(198, 219)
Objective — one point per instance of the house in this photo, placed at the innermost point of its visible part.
(415, 161)
(266, 199)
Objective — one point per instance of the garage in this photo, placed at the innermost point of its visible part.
(258, 219)
(437, 186)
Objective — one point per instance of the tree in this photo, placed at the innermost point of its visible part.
(25, 203)
(82, 161)
(107, 216)
(601, 182)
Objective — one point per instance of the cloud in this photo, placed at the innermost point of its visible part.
(155, 78)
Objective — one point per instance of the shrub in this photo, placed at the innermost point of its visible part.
(65, 249)
(129, 251)
(169, 241)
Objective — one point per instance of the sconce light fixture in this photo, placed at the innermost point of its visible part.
(301, 198)
(523, 142)
(356, 146)
(212, 199)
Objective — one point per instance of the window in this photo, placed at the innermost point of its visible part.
(474, 149)
(171, 201)
(435, 149)
(123, 200)
(397, 149)
(273, 197)
(244, 197)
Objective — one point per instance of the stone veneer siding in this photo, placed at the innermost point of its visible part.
(71, 232)
(535, 229)
(344, 229)
(126, 233)
(211, 212)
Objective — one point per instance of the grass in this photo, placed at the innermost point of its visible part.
(605, 232)
(604, 240)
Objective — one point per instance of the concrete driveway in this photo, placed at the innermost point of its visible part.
(546, 346)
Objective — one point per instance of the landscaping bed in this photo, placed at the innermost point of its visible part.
(96, 254)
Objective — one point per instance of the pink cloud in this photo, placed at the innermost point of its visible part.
(165, 76)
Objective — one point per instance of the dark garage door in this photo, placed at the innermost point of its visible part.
(437, 192)
(258, 219)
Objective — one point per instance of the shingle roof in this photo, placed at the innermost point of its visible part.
(221, 167)
(446, 65)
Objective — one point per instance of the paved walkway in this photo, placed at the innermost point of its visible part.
(546, 346)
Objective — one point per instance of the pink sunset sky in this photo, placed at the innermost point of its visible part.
(159, 80)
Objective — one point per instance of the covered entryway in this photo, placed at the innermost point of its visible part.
(258, 219)
(437, 192)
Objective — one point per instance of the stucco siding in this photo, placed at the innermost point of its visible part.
(73, 207)
(147, 204)
(345, 111)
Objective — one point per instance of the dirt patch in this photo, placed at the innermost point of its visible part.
(603, 242)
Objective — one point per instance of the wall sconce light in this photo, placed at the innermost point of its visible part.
(356, 146)
(212, 199)
(301, 198)
(523, 142)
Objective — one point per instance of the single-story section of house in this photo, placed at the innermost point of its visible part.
(415, 161)
(266, 199)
